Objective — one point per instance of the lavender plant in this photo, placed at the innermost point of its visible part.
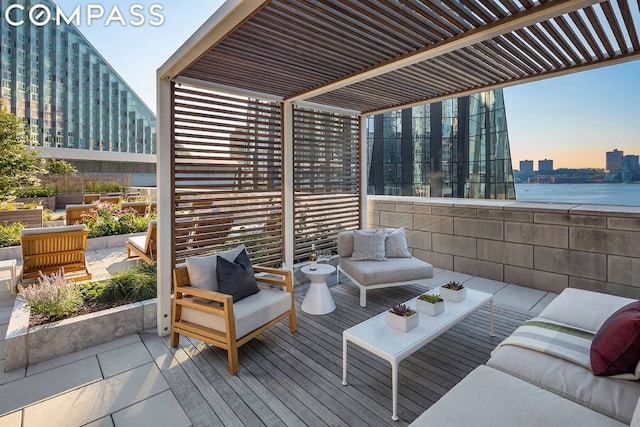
(53, 296)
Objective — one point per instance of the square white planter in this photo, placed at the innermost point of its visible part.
(402, 323)
(429, 308)
(454, 296)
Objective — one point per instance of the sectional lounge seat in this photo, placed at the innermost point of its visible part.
(525, 387)
(369, 274)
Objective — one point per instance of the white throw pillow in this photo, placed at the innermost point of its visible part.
(395, 245)
(368, 245)
(202, 269)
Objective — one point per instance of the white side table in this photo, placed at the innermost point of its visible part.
(10, 264)
(318, 299)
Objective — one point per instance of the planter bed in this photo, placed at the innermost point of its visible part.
(25, 346)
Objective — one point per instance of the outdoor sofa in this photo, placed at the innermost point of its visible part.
(524, 386)
(384, 260)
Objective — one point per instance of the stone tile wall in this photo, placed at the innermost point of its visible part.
(538, 245)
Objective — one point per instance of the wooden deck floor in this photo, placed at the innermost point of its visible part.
(295, 379)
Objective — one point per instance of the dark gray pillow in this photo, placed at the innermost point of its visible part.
(236, 277)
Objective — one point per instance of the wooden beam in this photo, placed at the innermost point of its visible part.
(577, 68)
(224, 21)
(515, 22)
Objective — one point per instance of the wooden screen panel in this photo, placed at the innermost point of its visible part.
(326, 178)
(227, 152)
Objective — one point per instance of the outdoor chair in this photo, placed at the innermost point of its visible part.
(144, 246)
(139, 207)
(214, 318)
(74, 214)
(50, 249)
(153, 208)
(132, 196)
(114, 200)
(119, 194)
(90, 198)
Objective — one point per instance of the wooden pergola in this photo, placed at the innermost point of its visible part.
(352, 59)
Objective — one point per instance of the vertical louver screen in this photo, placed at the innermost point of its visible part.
(228, 182)
(326, 178)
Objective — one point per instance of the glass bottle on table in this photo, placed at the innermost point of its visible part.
(313, 258)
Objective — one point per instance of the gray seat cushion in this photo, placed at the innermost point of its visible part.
(390, 271)
(251, 312)
(487, 397)
(613, 397)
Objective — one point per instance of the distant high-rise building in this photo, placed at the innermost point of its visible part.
(545, 165)
(454, 148)
(69, 96)
(526, 167)
(631, 163)
(614, 160)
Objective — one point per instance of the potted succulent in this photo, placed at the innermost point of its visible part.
(453, 291)
(402, 317)
(430, 304)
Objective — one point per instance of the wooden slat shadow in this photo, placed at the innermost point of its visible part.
(295, 379)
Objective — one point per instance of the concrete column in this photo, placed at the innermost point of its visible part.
(363, 171)
(166, 189)
(288, 184)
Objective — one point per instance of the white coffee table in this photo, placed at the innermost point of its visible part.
(394, 346)
(318, 299)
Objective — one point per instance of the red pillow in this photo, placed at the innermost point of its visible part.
(615, 349)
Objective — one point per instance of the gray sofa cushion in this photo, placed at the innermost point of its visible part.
(368, 245)
(250, 312)
(396, 270)
(613, 397)
(395, 244)
(583, 309)
(487, 397)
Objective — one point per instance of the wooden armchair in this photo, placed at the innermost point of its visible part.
(114, 200)
(50, 249)
(213, 317)
(144, 246)
(74, 213)
(91, 197)
(139, 207)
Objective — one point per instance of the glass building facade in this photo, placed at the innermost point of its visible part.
(454, 148)
(66, 92)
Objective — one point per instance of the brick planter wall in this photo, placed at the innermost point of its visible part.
(46, 202)
(538, 245)
(62, 200)
(30, 217)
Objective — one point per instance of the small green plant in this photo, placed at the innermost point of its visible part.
(104, 187)
(454, 286)
(45, 191)
(53, 296)
(110, 221)
(402, 310)
(136, 284)
(10, 234)
(433, 299)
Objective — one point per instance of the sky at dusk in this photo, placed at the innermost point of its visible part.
(572, 119)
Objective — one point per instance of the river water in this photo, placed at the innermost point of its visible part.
(604, 194)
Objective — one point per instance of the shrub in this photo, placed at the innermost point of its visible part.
(46, 191)
(104, 187)
(10, 234)
(53, 296)
(111, 221)
(136, 284)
